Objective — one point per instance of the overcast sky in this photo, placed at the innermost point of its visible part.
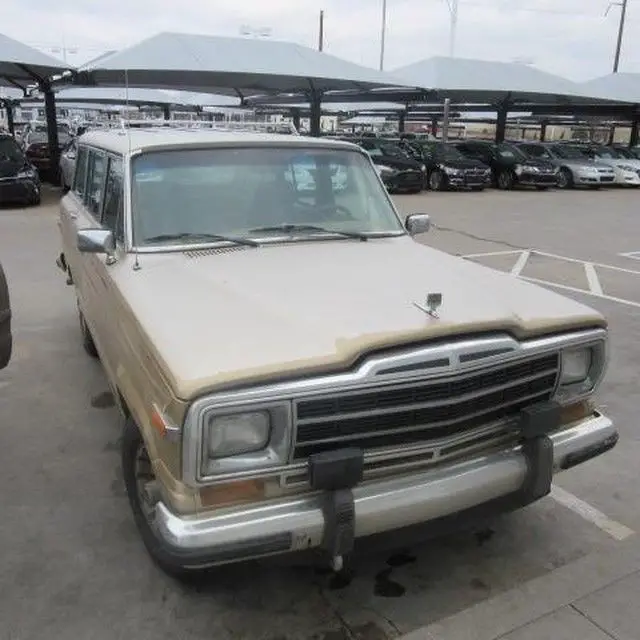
(567, 37)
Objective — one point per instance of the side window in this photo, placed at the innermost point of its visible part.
(80, 177)
(113, 212)
(94, 195)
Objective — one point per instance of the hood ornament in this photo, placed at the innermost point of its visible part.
(434, 302)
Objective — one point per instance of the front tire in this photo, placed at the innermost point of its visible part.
(437, 181)
(506, 180)
(139, 475)
(87, 339)
(565, 179)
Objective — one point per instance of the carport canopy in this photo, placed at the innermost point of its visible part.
(22, 66)
(232, 66)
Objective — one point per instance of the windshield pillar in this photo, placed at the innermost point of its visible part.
(633, 138)
(543, 130)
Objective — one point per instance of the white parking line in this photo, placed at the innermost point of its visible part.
(634, 255)
(522, 261)
(615, 529)
(592, 278)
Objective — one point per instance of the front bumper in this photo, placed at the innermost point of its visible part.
(468, 180)
(538, 179)
(628, 177)
(296, 524)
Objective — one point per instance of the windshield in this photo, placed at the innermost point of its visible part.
(393, 150)
(238, 192)
(9, 151)
(603, 152)
(569, 153)
(511, 152)
(446, 152)
(625, 153)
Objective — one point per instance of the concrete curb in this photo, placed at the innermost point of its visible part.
(498, 616)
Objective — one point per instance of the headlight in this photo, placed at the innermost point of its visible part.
(383, 169)
(235, 434)
(423, 168)
(230, 441)
(626, 167)
(531, 169)
(29, 173)
(518, 169)
(450, 171)
(581, 369)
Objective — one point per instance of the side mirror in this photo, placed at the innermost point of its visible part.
(97, 241)
(417, 223)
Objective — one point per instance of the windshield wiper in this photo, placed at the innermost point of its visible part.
(293, 228)
(202, 236)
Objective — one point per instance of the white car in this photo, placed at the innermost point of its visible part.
(627, 170)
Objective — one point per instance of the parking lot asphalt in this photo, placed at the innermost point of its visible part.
(72, 564)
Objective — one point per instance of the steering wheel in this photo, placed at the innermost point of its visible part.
(343, 211)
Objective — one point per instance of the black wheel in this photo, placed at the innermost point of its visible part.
(565, 179)
(506, 180)
(87, 340)
(437, 181)
(140, 483)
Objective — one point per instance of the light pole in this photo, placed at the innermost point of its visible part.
(453, 26)
(383, 33)
(623, 17)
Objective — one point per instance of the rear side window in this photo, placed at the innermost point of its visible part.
(80, 176)
(113, 212)
(96, 169)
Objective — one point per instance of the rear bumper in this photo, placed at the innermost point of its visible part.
(297, 524)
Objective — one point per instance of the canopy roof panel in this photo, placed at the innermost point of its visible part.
(470, 80)
(233, 66)
(616, 86)
(21, 65)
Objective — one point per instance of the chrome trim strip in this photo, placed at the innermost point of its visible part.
(365, 376)
(379, 506)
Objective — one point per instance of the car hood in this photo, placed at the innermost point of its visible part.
(219, 318)
(619, 162)
(401, 164)
(583, 164)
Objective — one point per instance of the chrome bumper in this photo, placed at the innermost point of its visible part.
(295, 524)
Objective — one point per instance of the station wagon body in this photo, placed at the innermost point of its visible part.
(296, 371)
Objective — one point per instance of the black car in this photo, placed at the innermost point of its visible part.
(399, 172)
(19, 180)
(5, 322)
(510, 167)
(447, 167)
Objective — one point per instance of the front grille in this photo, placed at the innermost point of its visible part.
(422, 411)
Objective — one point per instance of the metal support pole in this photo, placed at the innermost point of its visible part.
(8, 107)
(633, 138)
(166, 111)
(402, 118)
(501, 121)
(383, 33)
(321, 33)
(52, 129)
(295, 116)
(623, 17)
(315, 102)
(445, 120)
(434, 126)
(612, 134)
(543, 130)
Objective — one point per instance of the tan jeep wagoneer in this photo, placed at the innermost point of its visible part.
(295, 371)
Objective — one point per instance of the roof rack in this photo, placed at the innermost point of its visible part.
(187, 125)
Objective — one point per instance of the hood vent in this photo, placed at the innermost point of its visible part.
(214, 251)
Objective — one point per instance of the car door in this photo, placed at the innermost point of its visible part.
(88, 214)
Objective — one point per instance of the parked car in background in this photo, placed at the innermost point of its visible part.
(399, 172)
(575, 168)
(19, 180)
(5, 321)
(632, 153)
(68, 164)
(510, 166)
(36, 147)
(294, 371)
(627, 170)
(447, 167)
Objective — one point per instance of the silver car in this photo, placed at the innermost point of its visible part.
(576, 169)
(68, 164)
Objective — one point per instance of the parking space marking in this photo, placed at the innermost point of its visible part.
(592, 279)
(595, 287)
(633, 255)
(615, 529)
(519, 265)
